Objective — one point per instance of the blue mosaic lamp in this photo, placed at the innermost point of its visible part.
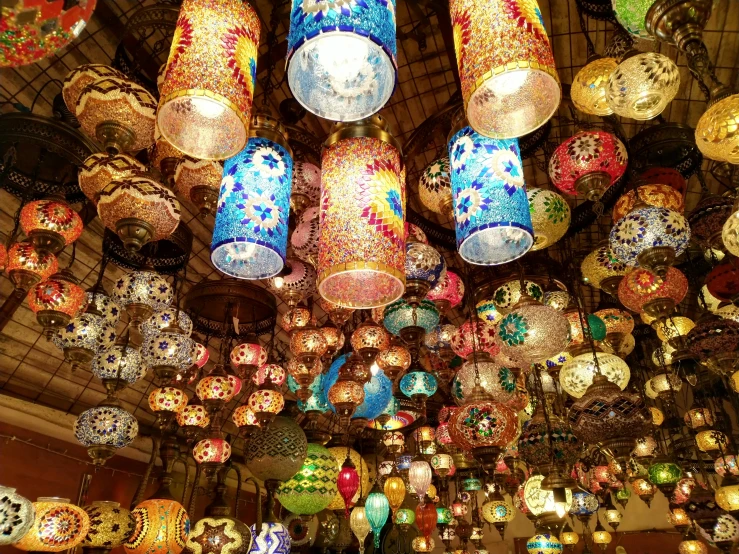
(401, 315)
(341, 58)
(418, 385)
(377, 391)
(250, 234)
(104, 429)
(584, 504)
(424, 268)
(491, 209)
(317, 401)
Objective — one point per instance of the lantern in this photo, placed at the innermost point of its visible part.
(435, 187)
(167, 399)
(81, 76)
(353, 481)
(247, 357)
(273, 538)
(212, 452)
(643, 291)
(341, 61)
(50, 225)
(447, 293)
(266, 403)
(245, 419)
(361, 253)
(100, 169)
(194, 416)
(474, 336)
(394, 489)
(250, 234)
(110, 526)
(642, 85)
(295, 282)
(540, 501)
(142, 293)
(83, 336)
(601, 537)
(161, 524)
(419, 477)
(716, 134)
(313, 487)
(498, 381)
(377, 510)
(199, 181)
(305, 236)
(602, 270)
(507, 92)
(18, 516)
(208, 89)
(277, 451)
(588, 89)
(402, 316)
(550, 216)
(31, 32)
(360, 525)
(631, 15)
(104, 429)
(588, 163)
(577, 374)
(58, 525)
(659, 196)
(491, 210)
(57, 301)
(418, 385)
(544, 543)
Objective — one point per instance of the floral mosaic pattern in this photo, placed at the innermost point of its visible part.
(646, 228)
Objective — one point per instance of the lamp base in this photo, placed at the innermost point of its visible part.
(678, 22)
(205, 198)
(51, 320)
(78, 357)
(416, 290)
(298, 202)
(657, 259)
(46, 242)
(134, 232)
(116, 138)
(168, 167)
(138, 313)
(593, 185)
(659, 307)
(487, 456)
(100, 454)
(610, 284)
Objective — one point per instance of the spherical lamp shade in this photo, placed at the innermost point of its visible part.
(491, 209)
(601, 268)
(716, 133)
(199, 181)
(58, 525)
(643, 291)
(486, 424)
(81, 76)
(194, 415)
(100, 169)
(659, 196)
(26, 267)
(212, 450)
(50, 225)
(214, 534)
(577, 374)
(168, 351)
(583, 503)
(248, 356)
(143, 288)
(418, 384)
(536, 442)
(692, 546)
(588, 164)
(498, 381)
(30, 32)
(110, 525)
(544, 543)
(164, 318)
(250, 234)
(424, 268)
(377, 508)
(277, 452)
(401, 314)
(18, 515)
(161, 524)
(507, 92)
(341, 60)
(208, 88)
(104, 429)
(550, 216)
(81, 338)
(726, 465)
(474, 336)
(119, 363)
(448, 292)
(533, 332)
(167, 399)
(313, 487)
(642, 85)
(299, 282)
(361, 253)
(631, 15)
(377, 391)
(274, 538)
(435, 187)
(56, 302)
(588, 90)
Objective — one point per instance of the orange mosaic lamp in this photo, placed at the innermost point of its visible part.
(199, 181)
(660, 196)
(50, 225)
(208, 87)
(642, 291)
(361, 251)
(58, 526)
(139, 210)
(57, 301)
(100, 169)
(26, 267)
(510, 90)
(83, 75)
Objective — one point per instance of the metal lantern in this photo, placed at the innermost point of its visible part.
(50, 225)
(341, 59)
(119, 113)
(491, 209)
(250, 234)
(361, 253)
(208, 88)
(507, 92)
(139, 210)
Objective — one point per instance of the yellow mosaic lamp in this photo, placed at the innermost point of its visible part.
(58, 526)
(588, 90)
(717, 132)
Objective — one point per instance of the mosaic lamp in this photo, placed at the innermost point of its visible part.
(346, 394)
(418, 385)
(58, 525)
(368, 339)
(305, 236)
(99, 169)
(631, 14)
(199, 181)
(166, 402)
(119, 113)
(296, 281)
(394, 360)
(139, 210)
(642, 85)
(347, 482)
(657, 195)
(544, 543)
(577, 374)
(18, 516)
(435, 187)
(491, 210)
(57, 301)
(313, 487)
(588, 163)
(588, 89)
(266, 403)
(250, 233)
(110, 526)
(424, 268)
(550, 216)
(194, 417)
(26, 267)
(447, 293)
(650, 237)
(361, 251)
(81, 76)
(33, 31)
(208, 89)
(104, 429)
(507, 92)
(411, 321)
(83, 336)
(308, 344)
(485, 429)
(141, 293)
(360, 525)
(169, 352)
(118, 365)
(642, 291)
(50, 225)
(601, 537)
(249, 356)
(602, 270)
(161, 524)
(341, 60)
(691, 545)
(568, 537)
(247, 422)
(394, 489)
(540, 500)
(377, 508)
(716, 133)
(306, 186)
(304, 375)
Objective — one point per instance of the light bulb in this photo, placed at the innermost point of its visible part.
(342, 56)
(278, 282)
(560, 508)
(207, 107)
(509, 83)
(241, 251)
(374, 368)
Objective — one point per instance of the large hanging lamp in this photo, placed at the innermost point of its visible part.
(361, 253)
(50, 224)
(208, 89)
(100, 169)
(250, 234)
(341, 59)
(491, 209)
(510, 85)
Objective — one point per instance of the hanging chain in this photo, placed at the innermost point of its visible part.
(274, 22)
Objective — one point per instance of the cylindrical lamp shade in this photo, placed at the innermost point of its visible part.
(58, 526)
(208, 88)
(341, 59)
(507, 91)
(250, 234)
(361, 252)
(717, 132)
(491, 210)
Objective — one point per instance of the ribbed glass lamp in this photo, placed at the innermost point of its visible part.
(361, 253)
(642, 85)
(491, 210)
(507, 92)
(377, 509)
(341, 59)
(208, 88)
(250, 233)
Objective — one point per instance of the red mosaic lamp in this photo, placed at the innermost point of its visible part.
(644, 292)
(50, 225)
(57, 301)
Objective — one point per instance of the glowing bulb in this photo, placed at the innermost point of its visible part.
(560, 508)
(278, 282)
(343, 56)
(207, 107)
(374, 368)
(509, 83)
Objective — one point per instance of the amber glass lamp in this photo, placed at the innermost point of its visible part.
(139, 210)
(368, 339)
(266, 403)
(57, 301)
(643, 291)
(208, 88)
(246, 420)
(199, 181)
(308, 345)
(602, 270)
(58, 526)
(162, 524)
(50, 225)
(588, 90)
(717, 132)
(100, 169)
(83, 75)
(110, 527)
(346, 394)
(304, 374)
(119, 113)
(642, 85)
(601, 537)
(26, 267)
